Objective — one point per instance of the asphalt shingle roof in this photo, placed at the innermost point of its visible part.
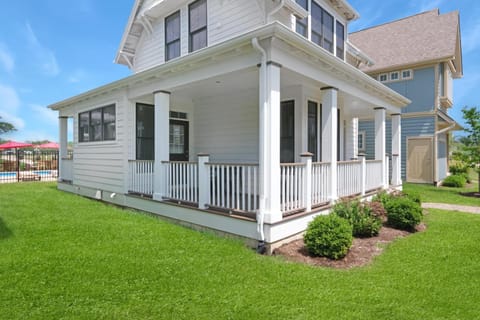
(424, 37)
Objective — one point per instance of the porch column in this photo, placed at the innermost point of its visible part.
(162, 150)
(351, 139)
(396, 149)
(63, 150)
(269, 142)
(380, 146)
(329, 136)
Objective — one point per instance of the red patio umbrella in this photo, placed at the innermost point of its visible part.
(49, 145)
(15, 145)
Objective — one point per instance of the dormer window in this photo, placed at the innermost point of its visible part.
(197, 13)
(172, 36)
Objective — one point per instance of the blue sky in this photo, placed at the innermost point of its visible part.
(53, 49)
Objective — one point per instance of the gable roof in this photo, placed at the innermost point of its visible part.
(423, 38)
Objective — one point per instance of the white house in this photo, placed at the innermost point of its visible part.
(240, 116)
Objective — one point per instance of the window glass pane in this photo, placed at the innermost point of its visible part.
(303, 3)
(198, 40)
(312, 129)
(145, 132)
(109, 123)
(173, 50)
(316, 23)
(340, 33)
(287, 132)
(301, 27)
(96, 125)
(172, 27)
(198, 15)
(177, 139)
(83, 127)
(394, 76)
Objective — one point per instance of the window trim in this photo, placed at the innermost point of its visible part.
(167, 44)
(102, 124)
(409, 77)
(205, 28)
(363, 135)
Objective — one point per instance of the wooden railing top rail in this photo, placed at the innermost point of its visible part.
(141, 160)
(245, 164)
(180, 162)
(320, 163)
(295, 164)
(373, 161)
(349, 162)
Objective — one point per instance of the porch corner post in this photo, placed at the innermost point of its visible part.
(63, 150)
(396, 149)
(307, 159)
(380, 145)
(203, 181)
(362, 157)
(330, 136)
(162, 150)
(269, 141)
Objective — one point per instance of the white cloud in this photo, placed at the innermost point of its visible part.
(471, 37)
(77, 76)
(6, 59)
(32, 135)
(9, 105)
(45, 58)
(44, 115)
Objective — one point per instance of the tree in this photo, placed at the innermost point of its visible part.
(470, 150)
(6, 127)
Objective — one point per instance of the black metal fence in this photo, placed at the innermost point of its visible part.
(28, 165)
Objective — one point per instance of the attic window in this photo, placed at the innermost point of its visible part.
(407, 74)
(394, 76)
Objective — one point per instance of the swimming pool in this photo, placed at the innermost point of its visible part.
(41, 173)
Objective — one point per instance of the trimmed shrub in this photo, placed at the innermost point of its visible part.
(414, 196)
(382, 197)
(328, 236)
(364, 222)
(456, 181)
(460, 169)
(403, 213)
(378, 210)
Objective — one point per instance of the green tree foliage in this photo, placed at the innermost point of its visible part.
(6, 127)
(470, 149)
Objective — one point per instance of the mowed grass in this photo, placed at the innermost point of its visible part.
(66, 257)
(430, 193)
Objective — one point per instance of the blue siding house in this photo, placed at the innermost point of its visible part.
(418, 57)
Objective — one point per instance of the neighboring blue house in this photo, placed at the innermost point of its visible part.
(418, 56)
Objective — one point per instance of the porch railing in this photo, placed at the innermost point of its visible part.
(320, 182)
(374, 177)
(233, 186)
(349, 178)
(140, 177)
(292, 186)
(181, 181)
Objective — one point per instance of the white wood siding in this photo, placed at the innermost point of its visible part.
(102, 165)
(226, 127)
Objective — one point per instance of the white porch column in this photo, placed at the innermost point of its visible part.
(269, 142)
(380, 146)
(396, 149)
(63, 150)
(351, 139)
(162, 149)
(329, 136)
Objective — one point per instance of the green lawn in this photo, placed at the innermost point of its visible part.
(65, 257)
(429, 193)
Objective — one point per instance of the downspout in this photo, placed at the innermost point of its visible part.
(275, 10)
(263, 78)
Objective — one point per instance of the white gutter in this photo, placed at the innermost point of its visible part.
(263, 79)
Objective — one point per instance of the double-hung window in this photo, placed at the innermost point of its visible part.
(322, 27)
(197, 15)
(172, 36)
(302, 24)
(97, 124)
(340, 37)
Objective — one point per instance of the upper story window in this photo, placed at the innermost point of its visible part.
(340, 38)
(394, 76)
(407, 74)
(97, 124)
(322, 27)
(383, 77)
(302, 24)
(172, 36)
(197, 13)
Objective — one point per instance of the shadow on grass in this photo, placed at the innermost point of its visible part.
(4, 231)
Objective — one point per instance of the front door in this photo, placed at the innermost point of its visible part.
(420, 160)
(178, 140)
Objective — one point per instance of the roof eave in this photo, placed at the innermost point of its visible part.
(128, 27)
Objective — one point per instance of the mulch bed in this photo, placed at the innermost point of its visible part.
(361, 253)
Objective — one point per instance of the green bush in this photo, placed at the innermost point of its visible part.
(328, 236)
(456, 181)
(360, 215)
(382, 197)
(460, 169)
(414, 196)
(403, 213)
